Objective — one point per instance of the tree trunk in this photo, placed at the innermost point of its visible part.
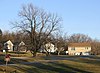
(58, 52)
(34, 54)
(47, 53)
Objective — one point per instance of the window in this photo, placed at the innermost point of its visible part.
(86, 47)
(73, 48)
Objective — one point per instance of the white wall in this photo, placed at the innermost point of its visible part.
(78, 50)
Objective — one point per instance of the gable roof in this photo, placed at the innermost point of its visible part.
(8, 42)
(49, 44)
(21, 43)
(79, 44)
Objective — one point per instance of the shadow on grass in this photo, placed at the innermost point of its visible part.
(88, 61)
(50, 68)
(43, 68)
(17, 61)
(84, 59)
(13, 61)
(75, 70)
(55, 68)
(55, 57)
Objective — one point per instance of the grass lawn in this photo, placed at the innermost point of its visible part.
(79, 65)
(60, 66)
(17, 59)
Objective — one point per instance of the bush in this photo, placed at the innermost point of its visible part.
(63, 53)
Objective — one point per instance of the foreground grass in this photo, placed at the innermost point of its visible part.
(20, 60)
(59, 66)
(56, 64)
(18, 57)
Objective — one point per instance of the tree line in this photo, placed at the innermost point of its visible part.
(59, 40)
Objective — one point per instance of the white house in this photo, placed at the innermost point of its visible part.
(8, 45)
(21, 47)
(49, 47)
(21, 43)
(79, 49)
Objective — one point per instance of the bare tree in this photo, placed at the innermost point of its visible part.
(0, 35)
(1, 39)
(60, 42)
(95, 47)
(76, 38)
(6, 36)
(38, 24)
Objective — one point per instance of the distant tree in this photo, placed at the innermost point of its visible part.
(60, 42)
(9, 36)
(38, 24)
(1, 45)
(95, 47)
(0, 32)
(5, 36)
(0, 35)
(76, 38)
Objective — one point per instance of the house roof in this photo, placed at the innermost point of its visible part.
(8, 42)
(21, 43)
(49, 44)
(79, 44)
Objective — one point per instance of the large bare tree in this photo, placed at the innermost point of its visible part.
(38, 24)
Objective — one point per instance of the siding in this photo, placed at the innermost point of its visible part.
(78, 50)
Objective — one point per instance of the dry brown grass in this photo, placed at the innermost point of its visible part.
(54, 67)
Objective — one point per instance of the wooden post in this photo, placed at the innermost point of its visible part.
(7, 59)
(6, 65)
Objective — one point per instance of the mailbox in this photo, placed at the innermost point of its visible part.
(7, 57)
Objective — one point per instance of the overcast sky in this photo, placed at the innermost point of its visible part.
(79, 16)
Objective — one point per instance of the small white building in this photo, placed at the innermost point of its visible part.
(49, 47)
(21, 43)
(21, 47)
(8, 45)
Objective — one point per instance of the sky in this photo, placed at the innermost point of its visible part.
(79, 16)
